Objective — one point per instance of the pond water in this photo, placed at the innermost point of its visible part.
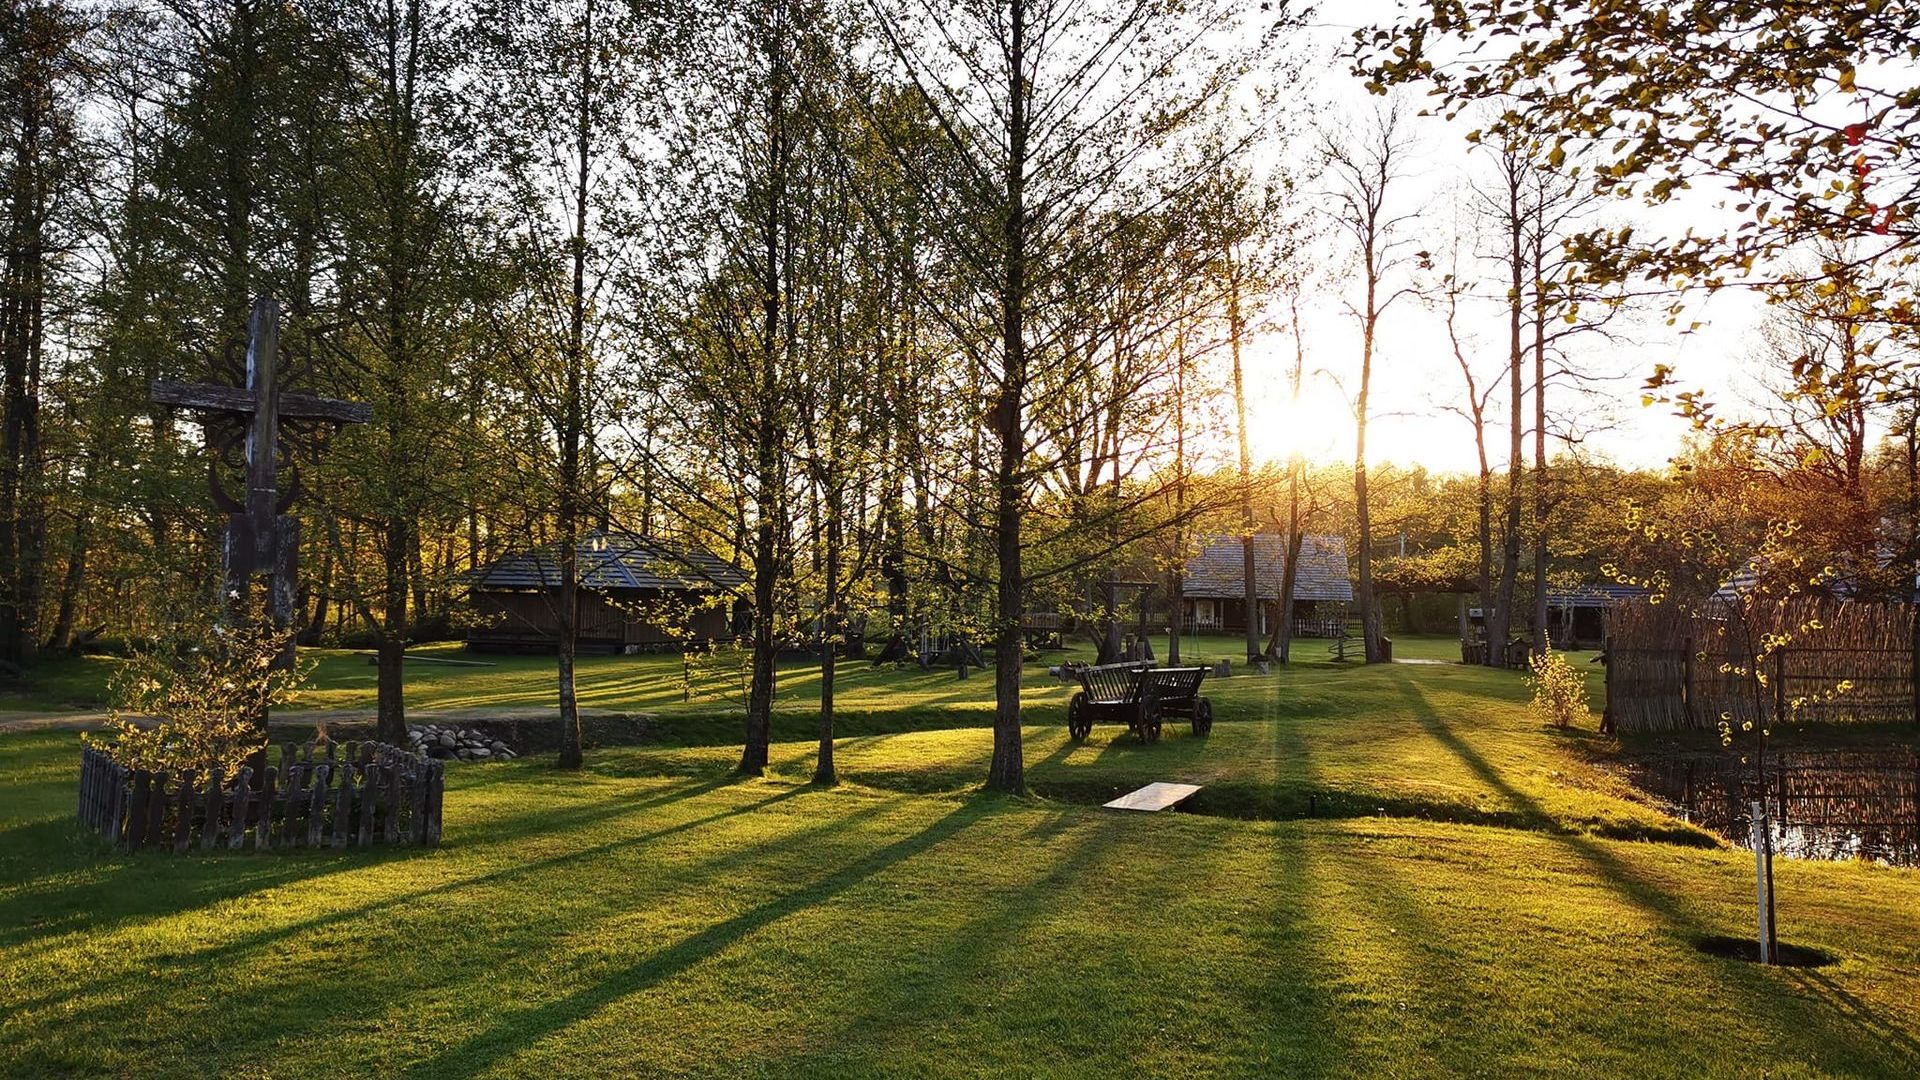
(1835, 804)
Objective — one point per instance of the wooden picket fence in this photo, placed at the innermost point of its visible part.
(329, 796)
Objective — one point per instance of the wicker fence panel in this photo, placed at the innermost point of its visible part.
(1647, 668)
(1843, 662)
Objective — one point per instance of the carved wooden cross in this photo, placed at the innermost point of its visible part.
(262, 538)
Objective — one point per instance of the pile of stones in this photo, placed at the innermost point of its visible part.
(460, 744)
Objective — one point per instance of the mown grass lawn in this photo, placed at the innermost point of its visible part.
(343, 679)
(1452, 743)
(654, 916)
(625, 924)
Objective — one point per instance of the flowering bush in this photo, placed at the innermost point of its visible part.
(190, 700)
(1559, 692)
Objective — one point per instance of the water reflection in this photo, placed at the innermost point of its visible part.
(1833, 804)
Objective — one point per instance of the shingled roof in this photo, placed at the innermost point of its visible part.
(614, 560)
(1594, 595)
(1218, 571)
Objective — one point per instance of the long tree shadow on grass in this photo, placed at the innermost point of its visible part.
(403, 900)
(315, 1000)
(1759, 993)
(519, 1029)
(891, 1008)
(124, 890)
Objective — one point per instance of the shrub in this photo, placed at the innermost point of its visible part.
(1559, 692)
(188, 701)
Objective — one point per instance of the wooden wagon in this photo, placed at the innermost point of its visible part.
(1140, 696)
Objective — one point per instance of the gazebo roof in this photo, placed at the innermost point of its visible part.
(1594, 595)
(1218, 572)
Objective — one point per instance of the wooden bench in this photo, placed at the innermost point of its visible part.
(1139, 696)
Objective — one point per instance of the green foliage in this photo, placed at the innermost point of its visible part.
(192, 699)
(1559, 692)
(1658, 98)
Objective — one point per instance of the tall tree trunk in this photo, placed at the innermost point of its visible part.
(769, 480)
(1500, 617)
(1280, 645)
(893, 570)
(1008, 769)
(78, 543)
(1541, 640)
(823, 771)
(23, 284)
(573, 424)
(1177, 586)
(1363, 511)
(390, 724)
(1250, 585)
(322, 600)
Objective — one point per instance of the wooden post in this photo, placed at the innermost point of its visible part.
(369, 801)
(1763, 904)
(269, 807)
(1913, 663)
(343, 806)
(183, 811)
(1606, 678)
(137, 812)
(242, 808)
(117, 805)
(317, 808)
(1779, 685)
(293, 830)
(1686, 681)
(436, 790)
(391, 825)
(210, 820)
(417, 828)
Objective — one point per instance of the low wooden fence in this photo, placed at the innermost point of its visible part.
(1843, 661)
(334, 796)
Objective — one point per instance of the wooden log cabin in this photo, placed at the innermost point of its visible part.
(1215, 586)
(637, 594)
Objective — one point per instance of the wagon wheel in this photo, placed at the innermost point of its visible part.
(1078, 722)
(1202, 716)
(1149, 726)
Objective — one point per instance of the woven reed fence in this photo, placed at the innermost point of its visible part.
(1843, 661)
(1824, 803)
(337, 796)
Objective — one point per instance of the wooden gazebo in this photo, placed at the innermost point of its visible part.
(637, 594)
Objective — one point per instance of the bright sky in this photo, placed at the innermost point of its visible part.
(1415, 377)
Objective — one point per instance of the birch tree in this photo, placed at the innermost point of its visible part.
(561, 103)
(1364, 170)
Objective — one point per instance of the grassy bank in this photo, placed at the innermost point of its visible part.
(635, 924)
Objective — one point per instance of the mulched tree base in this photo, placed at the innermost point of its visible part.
(1785, 955)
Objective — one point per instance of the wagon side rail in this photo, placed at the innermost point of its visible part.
(1175, 689)
(1113, 684)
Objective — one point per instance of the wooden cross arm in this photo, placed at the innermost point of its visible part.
(236, 399)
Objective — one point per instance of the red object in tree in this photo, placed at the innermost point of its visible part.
(1856, 134)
